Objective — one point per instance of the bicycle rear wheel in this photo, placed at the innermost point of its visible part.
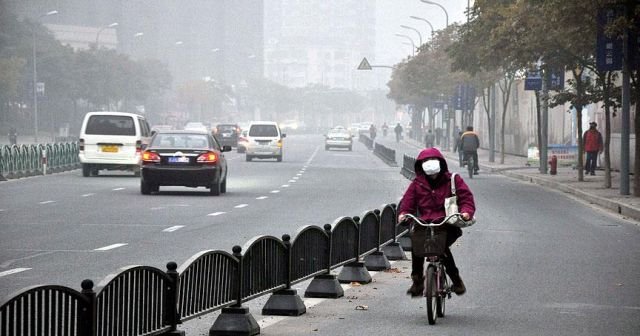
(431, 290)
(470, 165)
(442, 293)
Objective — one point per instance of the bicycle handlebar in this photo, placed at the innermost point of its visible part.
(445, 220)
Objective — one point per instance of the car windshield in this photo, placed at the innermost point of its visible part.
(110, 125)
(263, 131)
(177, 140)
(224, 128)
(338, 133)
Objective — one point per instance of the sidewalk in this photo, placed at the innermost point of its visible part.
(591, 189)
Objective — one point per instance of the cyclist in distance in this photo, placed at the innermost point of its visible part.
(425, 197)
(469, 144)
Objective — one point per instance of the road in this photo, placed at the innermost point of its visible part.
(536, 263)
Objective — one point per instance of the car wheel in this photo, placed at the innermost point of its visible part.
(279, 158)
(86, 170)
(215, 188)
(136, 172)
(350, 148)
(145, 188)
(223, 186)
(94, 172)
(249, 158)
(155, 188)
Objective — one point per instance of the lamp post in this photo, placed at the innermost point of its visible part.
(439, 5)
(412, 43)
(425, 20)
(35, 77)
(115, 24)
(415, 30)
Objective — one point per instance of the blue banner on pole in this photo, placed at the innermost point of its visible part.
(556, 80)
(608, 49)
(533, 81)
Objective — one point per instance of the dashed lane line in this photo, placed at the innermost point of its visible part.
(285, 186)
(216, 213)
(13, 271)
(173, 228)
(262, 197)
(87, 195)
(275, 191)
(47, 202)
(110, 247)
(117, 189)
(240, 206)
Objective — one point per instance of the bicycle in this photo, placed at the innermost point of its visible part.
(436, 285)
(470, 164)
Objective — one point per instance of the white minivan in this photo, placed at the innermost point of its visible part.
(112, 141)
(264, 140)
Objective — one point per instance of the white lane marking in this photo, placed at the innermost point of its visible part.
(110, 247)
(116, 189)
(275, 191)
(87, 195)
(296, 177)
(292, 181)
(239, 206)
(173, 228)
(13, 271)
(158, 208)
(299, 174)
(216, 213)
(285, 186)
(262, 197)
(47, 202)
(1, 210)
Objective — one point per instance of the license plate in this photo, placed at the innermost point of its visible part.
(178, 159)
(109, 149)
(226, 135)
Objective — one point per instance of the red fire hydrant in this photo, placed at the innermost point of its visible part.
(553, 165)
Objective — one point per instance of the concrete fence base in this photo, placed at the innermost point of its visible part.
(235, 321)
(324, 286)
(284, 302)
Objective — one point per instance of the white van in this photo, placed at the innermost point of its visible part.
(112, 141)
(264, 140)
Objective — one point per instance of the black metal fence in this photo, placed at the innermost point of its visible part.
(143, 300)
(387, 154)
(408, 167)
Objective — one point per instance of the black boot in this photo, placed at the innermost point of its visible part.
(417, 287)
(457, 285)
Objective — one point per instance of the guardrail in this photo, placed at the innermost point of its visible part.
(143, 300)
(408, 167)
(18, 161)
(387, 154)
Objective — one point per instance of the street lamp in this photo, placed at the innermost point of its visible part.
(410, 39)
(439, 5)
(425, 20)
(115, 24)
(415, 30)
(35, 77)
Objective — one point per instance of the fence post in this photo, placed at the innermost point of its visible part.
(236, 320)
(89, 320)
(172, 315)
(285, 302)
(377, 261)
(325, 285)
(355, 271)
(393, 250)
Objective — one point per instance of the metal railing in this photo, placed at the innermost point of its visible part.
(387, 154)
(408, 167)
(143, 300)
(17, 161)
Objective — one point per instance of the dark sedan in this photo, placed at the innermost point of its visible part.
(184, 158)
(227, 134)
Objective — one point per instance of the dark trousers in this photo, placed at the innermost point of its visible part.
(417, 263)
(592, 160)
(474, 154)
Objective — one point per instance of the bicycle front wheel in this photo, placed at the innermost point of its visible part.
(470, 165)
(431, 290)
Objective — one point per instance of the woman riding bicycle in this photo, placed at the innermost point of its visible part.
(425, 197)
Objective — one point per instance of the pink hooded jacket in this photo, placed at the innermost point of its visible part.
(421, 198)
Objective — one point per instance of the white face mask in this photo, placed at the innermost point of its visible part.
(431, 167)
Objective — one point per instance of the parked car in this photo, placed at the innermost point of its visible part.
(112, 141)
(243, 141)
(227, 134)
(264, 140)
(338, 138)
(184, 158)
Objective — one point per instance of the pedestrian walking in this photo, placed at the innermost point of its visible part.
(593, 146)
(372, 131)
(13, 136)
(398, 131)
(429, 138)
(457, 147)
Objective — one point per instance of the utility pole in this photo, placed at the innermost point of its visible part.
(492, 123)
(626, 115)
(544, 122)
